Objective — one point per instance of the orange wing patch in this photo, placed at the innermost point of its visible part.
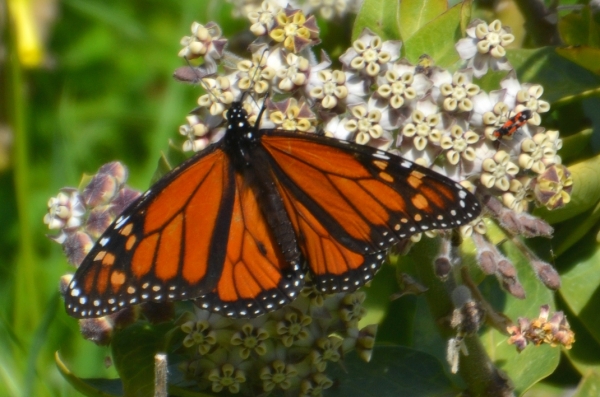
(254, 262)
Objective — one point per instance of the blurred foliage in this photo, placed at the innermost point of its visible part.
(93, 84)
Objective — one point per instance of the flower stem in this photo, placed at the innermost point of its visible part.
(476, 369)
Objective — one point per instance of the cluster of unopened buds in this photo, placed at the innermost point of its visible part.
(429, 115)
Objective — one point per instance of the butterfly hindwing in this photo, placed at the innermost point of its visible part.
(256, 277)
(349, 203)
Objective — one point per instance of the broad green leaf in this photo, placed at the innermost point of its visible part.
(437, 38)
(89, 387)
(580, 282)
(381, 16)
(589, 386)
(561, 81)
(579, 28)
(585, 353)
(585, 193)
(577, 146)
(586, 57)
(534, 363)
(378, 296)
(414, 14)
(393, 371)
(133, 350)
(569, 232)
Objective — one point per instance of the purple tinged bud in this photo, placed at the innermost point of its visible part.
(101, 189)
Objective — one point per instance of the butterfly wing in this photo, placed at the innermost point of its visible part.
(348, 203)
(195, 233)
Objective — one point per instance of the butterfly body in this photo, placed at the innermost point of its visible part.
(237, 226)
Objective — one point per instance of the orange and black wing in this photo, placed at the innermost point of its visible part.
(348, 203)
(195, 234)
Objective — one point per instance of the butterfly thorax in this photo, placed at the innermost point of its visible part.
(240, 137)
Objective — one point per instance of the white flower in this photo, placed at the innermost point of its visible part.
(263, 18)
(400, 85)
(368, 123)
(220, 95)
(498, 170)
(66, 210)
(370, 55)
(484, 46)
(459, 144)
(205, 42)
(425, 125)
(455, 95)
(255, 74)
(328, 87)
(292, 74)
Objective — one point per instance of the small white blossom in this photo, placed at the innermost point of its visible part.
(519, 195)
(328, 87)
(498, 170)
(205, 42)
(400, 86)
(425, 125)
(368, 123)
(484, 46)
(293, 74)
(263, 18)
(370, 55)
(65, 210)
(220, 95)
(459, 144)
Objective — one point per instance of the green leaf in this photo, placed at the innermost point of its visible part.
(534, 363)
(589, 386)
(561, 81)
(89, 387)
(585, 194)
(579, 28)
(393, 371)
(381, 16)
(133, 350)
(585, 353)
(586, 57)
(567, 233)
(580, 283)
(414, 14)
(577, 146)
(427, 40)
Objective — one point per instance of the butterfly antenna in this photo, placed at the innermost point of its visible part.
(252, 82)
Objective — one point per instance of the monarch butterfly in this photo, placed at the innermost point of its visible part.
(237, 226)
(513, 124)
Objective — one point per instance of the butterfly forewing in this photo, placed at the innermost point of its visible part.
(349, 203)
(196, 233)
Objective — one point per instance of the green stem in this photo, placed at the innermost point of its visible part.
(476, 369)
(26, 303)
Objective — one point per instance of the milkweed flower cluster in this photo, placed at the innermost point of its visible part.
(427, 114)
(437, 118)
(81, 215)
(287, 350)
